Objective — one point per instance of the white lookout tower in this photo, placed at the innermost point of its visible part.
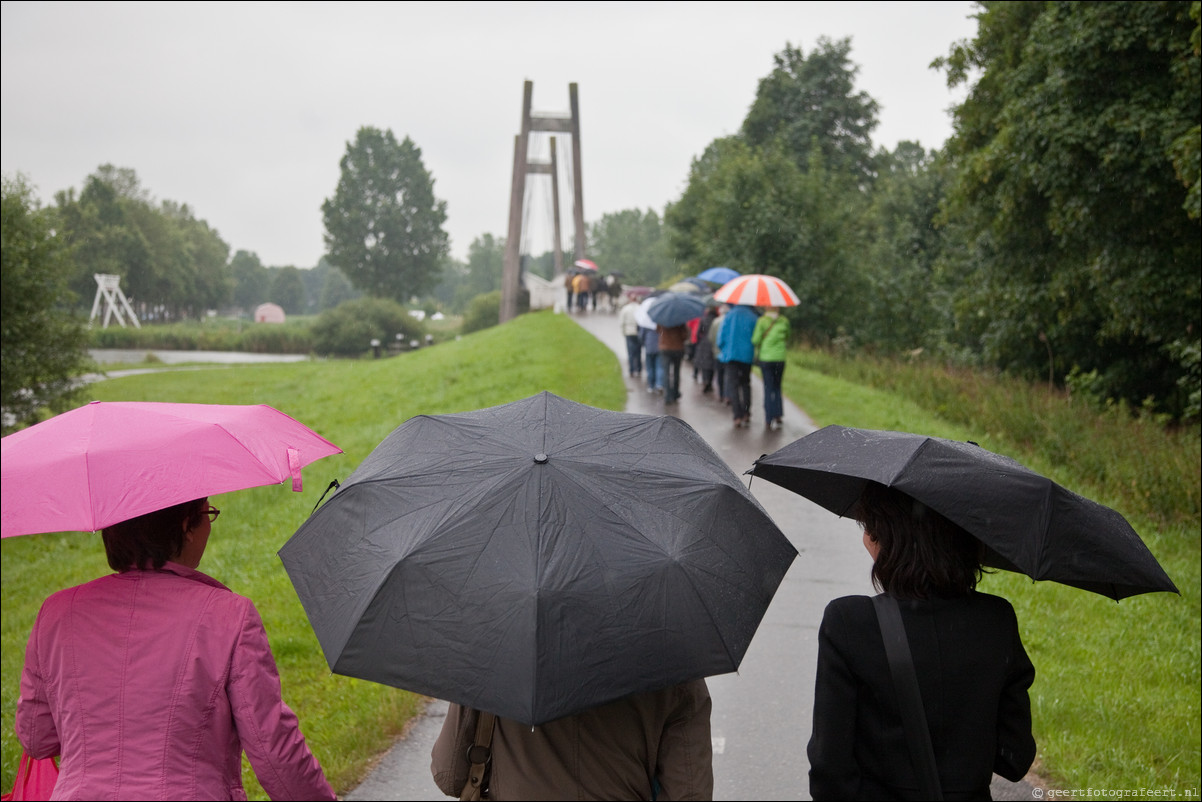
(108, 287)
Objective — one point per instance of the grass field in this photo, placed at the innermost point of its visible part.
(1116, 697)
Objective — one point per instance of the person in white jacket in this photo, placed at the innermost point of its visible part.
(629, 326)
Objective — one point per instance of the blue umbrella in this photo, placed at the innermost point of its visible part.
(676, 308)
(718, 275)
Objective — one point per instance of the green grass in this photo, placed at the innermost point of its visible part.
(1116, 696)
(355, 404)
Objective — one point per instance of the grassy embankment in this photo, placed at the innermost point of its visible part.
(1116, 699)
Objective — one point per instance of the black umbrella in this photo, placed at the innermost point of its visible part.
(676, 308)
(537, 559)
(1027, 522)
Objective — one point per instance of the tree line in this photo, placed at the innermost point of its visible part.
(1055, 236)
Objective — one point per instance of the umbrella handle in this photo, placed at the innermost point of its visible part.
(479, 754)
(332, 486)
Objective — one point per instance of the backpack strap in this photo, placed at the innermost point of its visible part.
(909, 697)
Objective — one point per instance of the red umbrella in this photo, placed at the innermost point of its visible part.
(585, 264)
(756, 290)
(109, 461)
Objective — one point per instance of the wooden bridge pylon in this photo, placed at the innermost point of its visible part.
(522, 166)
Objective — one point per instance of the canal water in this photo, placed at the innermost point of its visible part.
(109, 356)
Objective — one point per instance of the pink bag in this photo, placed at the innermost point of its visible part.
(35, 779)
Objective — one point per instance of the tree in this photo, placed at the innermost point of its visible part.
(485, 264)
(251, 280)
(907, 304)
(288, 290)
(633, 243)
(334, 288)
(171, 264)
(43, 345)
(204, 258)
(756, 211)
(1073, 190)
(811, 103)
(383, 224)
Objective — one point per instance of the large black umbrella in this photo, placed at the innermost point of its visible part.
(537, 559)
(1027, 522)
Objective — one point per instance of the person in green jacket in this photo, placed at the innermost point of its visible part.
(770, 339)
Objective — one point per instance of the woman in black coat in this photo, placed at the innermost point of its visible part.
(973, 672)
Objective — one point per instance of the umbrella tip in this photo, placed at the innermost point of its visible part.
(540, 458)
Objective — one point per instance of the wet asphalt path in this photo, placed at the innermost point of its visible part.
(761, 715)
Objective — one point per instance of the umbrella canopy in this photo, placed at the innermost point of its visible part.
(1027, 522)
(109, 461)
(756, 290)
(675, 308)
(640, 313)
(585, 264)
(718, 275)
(537, 559)
(687, 287)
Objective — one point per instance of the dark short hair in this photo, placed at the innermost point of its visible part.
(922, 554)
(151, 539)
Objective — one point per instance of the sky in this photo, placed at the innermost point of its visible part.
(243, 110)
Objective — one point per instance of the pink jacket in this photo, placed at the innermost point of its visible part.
(150, 684)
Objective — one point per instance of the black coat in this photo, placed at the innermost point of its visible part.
(973, 674)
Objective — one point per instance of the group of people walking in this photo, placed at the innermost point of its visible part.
(151, 682)
(723, 345)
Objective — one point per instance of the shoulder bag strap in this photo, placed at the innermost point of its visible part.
(909, 697)
(479, 754)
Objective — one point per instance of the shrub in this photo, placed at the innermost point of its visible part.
(275, 338)
(349, 328)
(483, 311)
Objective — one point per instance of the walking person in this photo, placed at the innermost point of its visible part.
(734, 341)
(671, 356)
(628, 324)
(651, 352)
(719, 357)
(973, 673)
(581, 285)
(690, 346)
(646, 746)
(151, 682)
(703, 354)
(770, 341)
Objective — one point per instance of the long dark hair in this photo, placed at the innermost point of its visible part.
(151, 539)
(922, 554)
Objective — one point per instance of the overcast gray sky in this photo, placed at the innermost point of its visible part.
(243, 110)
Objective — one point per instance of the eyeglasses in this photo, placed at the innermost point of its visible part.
(212, 512)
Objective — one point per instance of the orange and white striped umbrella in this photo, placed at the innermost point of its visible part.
(756, 290)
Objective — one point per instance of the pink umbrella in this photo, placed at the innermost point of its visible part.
(109, 461)
(756, 290)
(586, 264)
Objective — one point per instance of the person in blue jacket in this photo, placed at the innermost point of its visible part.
(734, 342)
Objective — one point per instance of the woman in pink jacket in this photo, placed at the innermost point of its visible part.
(152, 681)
